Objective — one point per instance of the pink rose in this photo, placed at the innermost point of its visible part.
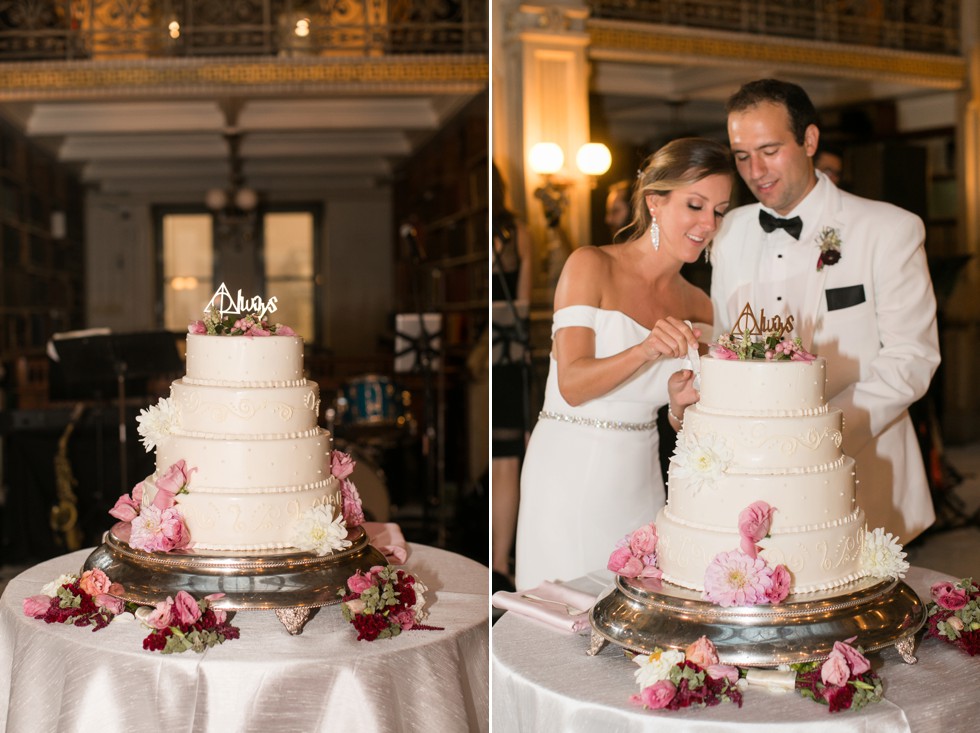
(353, 511)
(125, 509)
(220, 616)
(282, 330)
(651, 571)
(213, 597)
(176, 478)
(138, 493)
(801, 355)
(358, 583)
(113, 605)
(94, 582)
(723, 671)
(702, 653)
(36, 606)
(622, 562)
(197, 327)
(856, 662)
(780, 584)
(643, 541)
(162, 615)
(174, 530)
(657, 696)
(835, 670)
(186, 610)
(721, 352)
(953, 600)
(341, 464)
(753, 525)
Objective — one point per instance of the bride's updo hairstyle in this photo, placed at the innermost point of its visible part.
(677, 164)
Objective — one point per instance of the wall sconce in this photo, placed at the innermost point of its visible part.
(547, 160)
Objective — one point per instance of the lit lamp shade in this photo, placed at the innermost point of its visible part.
(547, 158)
(593, 159)
(216, 199)
(246, 199)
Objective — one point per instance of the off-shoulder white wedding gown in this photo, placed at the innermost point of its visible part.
(591, 474)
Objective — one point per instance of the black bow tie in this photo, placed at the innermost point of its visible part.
(769, 223)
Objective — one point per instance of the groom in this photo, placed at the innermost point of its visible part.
(853, 274)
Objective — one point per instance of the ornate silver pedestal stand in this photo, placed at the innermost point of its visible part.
(641, 615)
(291, 583)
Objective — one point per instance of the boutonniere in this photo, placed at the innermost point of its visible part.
(829, 241)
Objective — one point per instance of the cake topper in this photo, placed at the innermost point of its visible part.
(227, 305)
(747, 325)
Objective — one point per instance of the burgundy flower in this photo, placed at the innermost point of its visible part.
(839, 698)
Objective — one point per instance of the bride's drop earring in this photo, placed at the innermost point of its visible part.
(654, 232)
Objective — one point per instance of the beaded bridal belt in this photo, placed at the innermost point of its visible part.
(593, 422)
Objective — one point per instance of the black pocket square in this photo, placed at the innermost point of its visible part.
(838, 298)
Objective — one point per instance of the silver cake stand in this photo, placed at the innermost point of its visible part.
(291, 583)
(641, 615)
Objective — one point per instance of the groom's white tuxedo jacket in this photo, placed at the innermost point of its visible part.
(872, 315)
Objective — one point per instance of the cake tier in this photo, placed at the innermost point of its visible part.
(800, 499)
(273, 361)
(819, 556)
(750, 444)
(226, 462)
(210, 409)
(732, 387)
(246, 520)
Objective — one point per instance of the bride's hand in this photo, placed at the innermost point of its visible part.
(669, 337)
(681, 392)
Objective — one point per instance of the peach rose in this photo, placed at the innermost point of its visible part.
(702, 653)
(94, 582)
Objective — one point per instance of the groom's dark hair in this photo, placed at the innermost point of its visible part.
(801, 111)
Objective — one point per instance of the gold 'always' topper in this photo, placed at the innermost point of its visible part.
(748, 325)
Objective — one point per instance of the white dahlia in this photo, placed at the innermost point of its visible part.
(156, 422)
(882, 556)
(701, 459)
(656, 667)
(321, 531)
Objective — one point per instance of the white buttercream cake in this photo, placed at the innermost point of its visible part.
(762, 431)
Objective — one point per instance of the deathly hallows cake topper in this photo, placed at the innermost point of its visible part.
(748, 325)
(226, 304)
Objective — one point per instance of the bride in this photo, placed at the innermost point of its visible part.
(592, 472)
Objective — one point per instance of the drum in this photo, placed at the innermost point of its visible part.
(370, 399)
(371, 483)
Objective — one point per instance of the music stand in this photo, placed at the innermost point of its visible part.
(95, 364)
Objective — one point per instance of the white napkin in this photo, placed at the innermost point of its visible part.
(693, 360)
(558, 606)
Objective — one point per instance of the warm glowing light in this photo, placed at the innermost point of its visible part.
(184, 283)
(547, 158)
(246, 199)
(593, 159)
(302, 27)
(174, 28)
(216, 199)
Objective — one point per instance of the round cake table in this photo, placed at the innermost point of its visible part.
(544, 681)
(62, 678)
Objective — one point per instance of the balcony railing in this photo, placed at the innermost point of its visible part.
(92, 29)
(928, 26)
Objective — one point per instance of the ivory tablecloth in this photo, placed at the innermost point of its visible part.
(61, 678)
(543, 681)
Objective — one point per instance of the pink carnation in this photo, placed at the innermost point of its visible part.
(125, 509)
(735, 579)
(341, 464)
(753, 525)
(197, 327)
(643, 541)
(94, 582)
(185, 608)
(657, 696)
(780, 584)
